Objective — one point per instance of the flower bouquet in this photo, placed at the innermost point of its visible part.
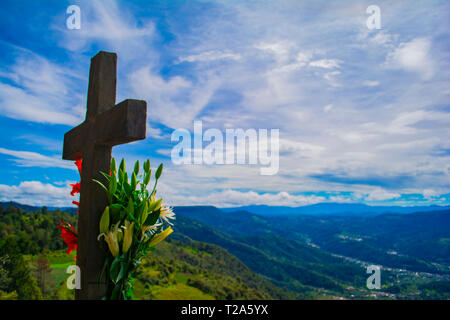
(131, 225)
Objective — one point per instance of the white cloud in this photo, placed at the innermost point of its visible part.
(155, 133)
(326, 63)
(175, 102)
(39, 91)
(210, 56)
(413, 56)
(37, 193)
(430, 194)
(281, 50)
(106, 22)
(33, 159)
(230, 198)
(381, 194)
(330, 76)
(287, 145)
(371, 83)
(45, 142)
(384, 38)
(328, 108)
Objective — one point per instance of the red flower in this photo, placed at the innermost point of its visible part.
(78, 163)
(75, 188)
(69, 236)
(77, 204)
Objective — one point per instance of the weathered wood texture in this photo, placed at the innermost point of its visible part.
(106, 125)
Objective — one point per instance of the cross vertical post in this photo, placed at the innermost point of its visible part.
(105, 125)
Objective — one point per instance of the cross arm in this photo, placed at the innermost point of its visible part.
(74, 141)
(126, 122)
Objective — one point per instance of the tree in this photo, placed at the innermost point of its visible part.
(43, 268)
(19, 273)
(4, 274)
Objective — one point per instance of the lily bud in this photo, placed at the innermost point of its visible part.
(133, 181)
(104, 221)
(128, 236)
(111, 240)
(158, 204)
(159, 171)
(136, 167)
(122, 165)
(113, 165)
(144, 213)
(147, 178)
(160, 237)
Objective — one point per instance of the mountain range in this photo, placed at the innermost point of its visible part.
(320, 255)
(343, 209)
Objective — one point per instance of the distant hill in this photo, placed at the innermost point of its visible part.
(186, 269)
(310, 256)
(338, 209)
(35, 208)
(178, 268)
(343, 209)
(286, 263)
(419, 238)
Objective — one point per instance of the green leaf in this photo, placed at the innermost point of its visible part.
(114, 270)
(144, 214)
(107, 176)
(123, 270)
(122, 165)
(136, 168)
(133, 181)
(101, 184)
(114, 212)
(113, 165)
(147, 177)
(116, 292)
(147, 166)
(152, 218)
(130, 209)
(103, 270)
(159, 171)
(104, 221)
(127, 188)
(121, 173)
(155, 205)
(130, 206)
(112, 186)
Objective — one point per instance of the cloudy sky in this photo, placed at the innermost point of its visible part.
(363, 115)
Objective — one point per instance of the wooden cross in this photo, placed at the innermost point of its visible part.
(106, 125)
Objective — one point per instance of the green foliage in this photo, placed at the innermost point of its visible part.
(8, 296)
(130, 225)
(268, 261)
(32, 232)
(275, 247)
(16, 276)
(195, 270)
(26, 233)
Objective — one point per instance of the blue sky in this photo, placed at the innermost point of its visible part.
(363, 114)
